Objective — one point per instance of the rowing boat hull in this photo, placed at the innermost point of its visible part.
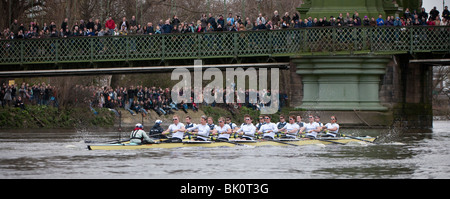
(303, 142)
(162, 145)
(228, 144)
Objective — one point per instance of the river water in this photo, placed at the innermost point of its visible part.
(63, 154)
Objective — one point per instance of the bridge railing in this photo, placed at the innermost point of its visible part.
(226, 44)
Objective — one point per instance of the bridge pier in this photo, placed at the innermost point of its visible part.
(343, 83)
(412, 107)
(363, 90)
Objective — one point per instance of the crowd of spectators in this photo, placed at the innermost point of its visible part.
(134, 99)
(141, 100)
(37, 94)
(210, 23)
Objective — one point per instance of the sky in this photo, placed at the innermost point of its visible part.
(429, 4)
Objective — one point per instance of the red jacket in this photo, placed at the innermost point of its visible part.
(110, 24)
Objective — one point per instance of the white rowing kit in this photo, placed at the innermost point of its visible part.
(269, 127)
(203, 131)
(332, 126)
(178, 134)
(222, 131)
(289, 127)
(310, 127)
(249, 131)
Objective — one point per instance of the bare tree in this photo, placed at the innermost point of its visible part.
(441, 93)
(18, 8)
(145, 10)
(441, 75)
(88, 9)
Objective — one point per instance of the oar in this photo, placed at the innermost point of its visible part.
(155, 135)
(356, 138)
(108, 141)
(218, 140)
(118, 141)
(326, 140)
(273, 140)
(124, 140)
(330, 141)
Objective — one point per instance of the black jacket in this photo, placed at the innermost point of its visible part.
(156, 130)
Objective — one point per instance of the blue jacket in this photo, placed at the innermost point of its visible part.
(380, 22)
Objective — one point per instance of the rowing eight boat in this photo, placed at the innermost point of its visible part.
(232, 143)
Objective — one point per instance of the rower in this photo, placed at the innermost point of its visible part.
(211, 123)
(188, 123)
(177, 129)
(317, 120)
(261, 122)
(281, 124)
(332, 127)
(232, 125)
(138, 135)
(202, 130)
(269, 129)
(224, 131)
(311, 128)
(299, 121)
(156, 130)
(247, 129)
(291, 128)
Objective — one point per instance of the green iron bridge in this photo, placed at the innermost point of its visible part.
(338, 70)
(151, 50)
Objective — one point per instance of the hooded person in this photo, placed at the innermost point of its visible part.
(156, 130)
(138, 135)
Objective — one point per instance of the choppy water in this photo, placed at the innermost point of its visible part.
(63, 154)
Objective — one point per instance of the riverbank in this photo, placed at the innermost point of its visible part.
(49, 117)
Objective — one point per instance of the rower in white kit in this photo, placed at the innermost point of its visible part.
(223, 130)
(291, 129)
(268, 128)
(202, 130)
(177, 129)
(331, 128)
(247, 130)
(311, 128)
